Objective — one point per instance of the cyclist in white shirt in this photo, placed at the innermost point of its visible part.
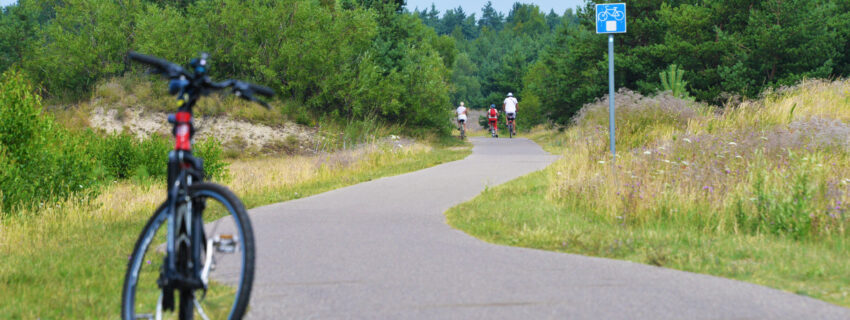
(509, 107)
(461, 115)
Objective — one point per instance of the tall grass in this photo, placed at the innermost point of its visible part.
(778, 165)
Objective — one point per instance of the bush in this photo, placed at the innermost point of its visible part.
(42, 161)
(123, 156)
(39, 160)
(215, 168)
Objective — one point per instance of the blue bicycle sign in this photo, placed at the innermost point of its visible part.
(611, 18)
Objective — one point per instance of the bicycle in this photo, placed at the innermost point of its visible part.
(462, 130)
(192, 250)
(613, 12)
(510, 124)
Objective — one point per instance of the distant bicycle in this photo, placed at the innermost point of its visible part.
(511, 126)
(170, 267)
(611, 11)
(462, 131)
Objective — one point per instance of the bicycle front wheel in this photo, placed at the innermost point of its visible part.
(226, 262)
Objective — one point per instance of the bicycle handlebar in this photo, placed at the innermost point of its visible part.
(242, 89)
(172, 70)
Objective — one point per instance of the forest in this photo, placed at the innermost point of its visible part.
(373, 58)
(728, 50)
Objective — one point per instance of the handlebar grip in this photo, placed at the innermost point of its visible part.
(149, 60)
(261, 90)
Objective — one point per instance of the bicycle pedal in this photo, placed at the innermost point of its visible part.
(225, 243)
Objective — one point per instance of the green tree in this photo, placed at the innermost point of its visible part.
(19, 27)
(466, 84)
(87, 40)
(490, 18)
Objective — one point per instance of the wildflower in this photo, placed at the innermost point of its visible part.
(647, 152)
(733, 143)
(601, 162)
(708, 188)
(738, 157)
(559, 173)
(687, 140)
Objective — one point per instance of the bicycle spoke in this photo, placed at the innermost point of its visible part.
(201, 311)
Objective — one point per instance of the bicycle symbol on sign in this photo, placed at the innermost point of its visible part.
(611, 11)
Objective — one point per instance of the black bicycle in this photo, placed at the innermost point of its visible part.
(170, 269)
(511, 117)
(460, 124)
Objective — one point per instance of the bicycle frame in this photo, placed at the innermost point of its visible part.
(183, 170)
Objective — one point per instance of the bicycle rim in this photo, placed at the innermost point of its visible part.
(229, 263)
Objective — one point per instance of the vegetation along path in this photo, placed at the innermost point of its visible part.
(382, 250)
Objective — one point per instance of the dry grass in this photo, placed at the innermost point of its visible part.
(776, 165)
(149, 93)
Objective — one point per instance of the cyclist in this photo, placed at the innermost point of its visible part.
(461, 116)
(509, 106)
(493, 116)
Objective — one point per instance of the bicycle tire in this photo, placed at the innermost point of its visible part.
(236, 210)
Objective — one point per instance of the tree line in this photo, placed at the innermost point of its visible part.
(727, 50)
(349, 59)
(356, 59)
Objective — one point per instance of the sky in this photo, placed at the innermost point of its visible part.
(474, 6)
(469, 6)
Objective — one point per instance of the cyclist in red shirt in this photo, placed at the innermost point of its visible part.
(493, 116)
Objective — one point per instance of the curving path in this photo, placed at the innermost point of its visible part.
(382, 250)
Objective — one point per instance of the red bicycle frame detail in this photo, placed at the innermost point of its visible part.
(183, 132)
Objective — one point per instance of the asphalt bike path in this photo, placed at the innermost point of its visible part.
(382, 250)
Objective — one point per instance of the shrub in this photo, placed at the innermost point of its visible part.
(40, 161)
(122, 155)
(215, 168)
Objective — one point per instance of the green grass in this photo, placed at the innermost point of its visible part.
(529, 219)
(67, 261)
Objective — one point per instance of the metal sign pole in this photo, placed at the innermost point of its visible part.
(611, 95)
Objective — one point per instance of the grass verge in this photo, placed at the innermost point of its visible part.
(528, 219)
(67, 260)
